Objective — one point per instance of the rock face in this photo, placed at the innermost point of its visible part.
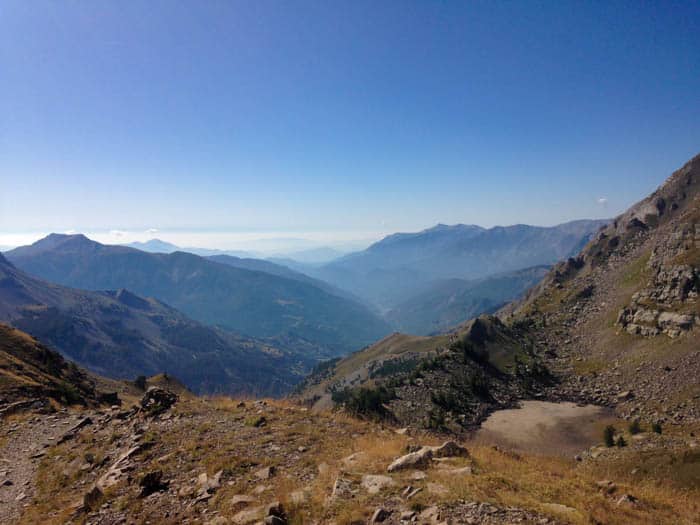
(651, 310)
(157, 400)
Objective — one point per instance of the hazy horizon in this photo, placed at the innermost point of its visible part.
(262, 243)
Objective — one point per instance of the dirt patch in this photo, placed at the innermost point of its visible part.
(540, 427)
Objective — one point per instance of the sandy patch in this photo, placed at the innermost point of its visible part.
(542, 427)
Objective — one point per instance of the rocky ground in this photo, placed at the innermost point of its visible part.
(221, 461)
(600, 358)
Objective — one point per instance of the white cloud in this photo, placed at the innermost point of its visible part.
(152, 230)
(70, 232)
(117, 233)
(603, 201)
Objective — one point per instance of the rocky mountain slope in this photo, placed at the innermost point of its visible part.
(444, 383)
(252, 302)
(619, 322)
(616, 325)
(119, 334)
(31, 372)
(400, 265)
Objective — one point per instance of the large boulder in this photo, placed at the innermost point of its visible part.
(422, 457)
(449, 449)
(157, 400)
(415, 460)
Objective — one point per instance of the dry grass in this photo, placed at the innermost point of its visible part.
(213, 437)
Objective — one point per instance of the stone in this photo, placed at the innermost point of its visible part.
(240, 501)
(462, 471)
(152, 482)
(218, 520)
(247, 516)
(628, 500)
(414, 460)
(93, 499)
(375, 483)
(210, 484)
(75, 429)
(560, 509)
(379, 516)
(625, 395)
(431, 514)
(342, 489)
(115, 471)
(265, 473)
(157, 400)
(410, 491)
(449, 449)
(274, 509)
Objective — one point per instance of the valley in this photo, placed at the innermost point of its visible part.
(349, 263)
(549, 409)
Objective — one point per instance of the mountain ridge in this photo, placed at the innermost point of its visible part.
(121, 335)
(396, 267)
(249, 301)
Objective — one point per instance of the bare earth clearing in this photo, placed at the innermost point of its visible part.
(541, 427)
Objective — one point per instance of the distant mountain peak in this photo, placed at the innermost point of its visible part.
(155, 246)
(56, 240)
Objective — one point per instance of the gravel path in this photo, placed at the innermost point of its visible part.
(23, 443)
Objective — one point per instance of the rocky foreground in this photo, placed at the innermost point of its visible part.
(173, 459)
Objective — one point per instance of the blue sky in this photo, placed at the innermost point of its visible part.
(337, 120)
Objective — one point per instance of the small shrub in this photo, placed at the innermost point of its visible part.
(140, 382)
(479, 385)
(255, 421)
(656, 427)
(609, 436)
(635, 427)
(621, 442)
(436, 420)
(364, 401)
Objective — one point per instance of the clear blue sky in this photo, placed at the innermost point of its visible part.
(339, 116)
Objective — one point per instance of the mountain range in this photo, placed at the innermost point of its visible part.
(159, 246)
(402, 265)
(121, 335)
(255, 303)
